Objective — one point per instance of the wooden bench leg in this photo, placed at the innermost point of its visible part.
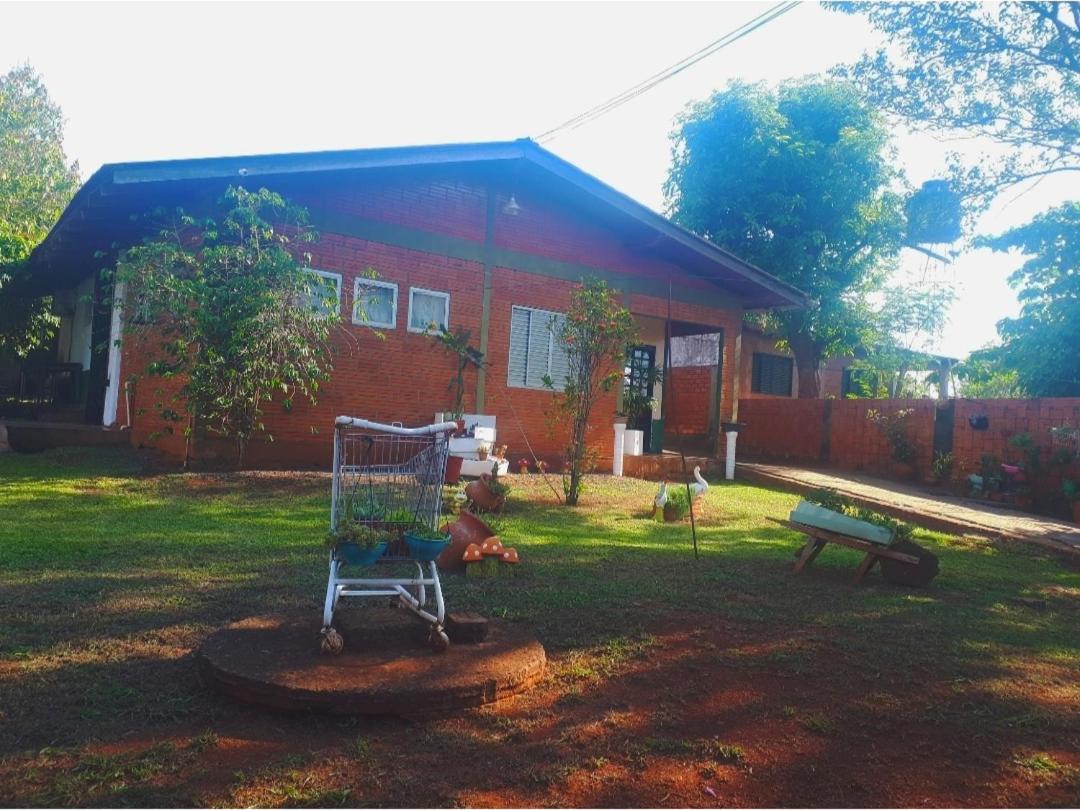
(864, 567)
(812, 548)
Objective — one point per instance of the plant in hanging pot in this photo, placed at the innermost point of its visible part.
(488, 493)
(425, 543)
(357, 544)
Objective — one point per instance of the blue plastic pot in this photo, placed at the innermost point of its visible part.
(352, 554)
(425, 550)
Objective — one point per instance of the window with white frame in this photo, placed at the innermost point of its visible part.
(375, 303)
(535, 349)
(428, 310)
(323, 293)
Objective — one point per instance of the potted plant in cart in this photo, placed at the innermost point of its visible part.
(358, 544)
(456, 343)
(425, 543)
(488, 493)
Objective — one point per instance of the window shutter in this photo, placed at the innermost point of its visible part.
(519, 346)
(539, 350)
(560, 364)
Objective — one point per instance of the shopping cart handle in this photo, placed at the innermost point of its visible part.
(427, 430)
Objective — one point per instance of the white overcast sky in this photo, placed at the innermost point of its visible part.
(163, 80)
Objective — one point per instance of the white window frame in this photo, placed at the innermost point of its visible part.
(336, 277)
(559, 385)
(371, 282)
(445, 296)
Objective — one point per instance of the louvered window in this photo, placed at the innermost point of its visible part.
(535, 350)
(771, 374)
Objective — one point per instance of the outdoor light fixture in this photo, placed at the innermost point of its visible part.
(512, 209)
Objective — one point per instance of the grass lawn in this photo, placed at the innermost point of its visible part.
(672, 681)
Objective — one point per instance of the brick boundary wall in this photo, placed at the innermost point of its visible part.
(688, 410)
(836, 433)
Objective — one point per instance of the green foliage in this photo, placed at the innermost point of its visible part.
(678, 503)
(635, 402)
(983, 375)
(1039, 346)
(36, 182)
(797, 181)
(894, 427)
(1071, 490)
(942, 465)
(229, 308)
(456, 343)
(831, 499)
(1008, 71)
(597, 334)
(495, 484)
(909, 320)
(366, 537)
(422, 532)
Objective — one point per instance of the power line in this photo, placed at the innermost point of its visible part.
(673, 70)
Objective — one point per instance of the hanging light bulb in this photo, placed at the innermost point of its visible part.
(512, 209)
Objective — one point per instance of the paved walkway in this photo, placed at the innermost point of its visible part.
(923, 506)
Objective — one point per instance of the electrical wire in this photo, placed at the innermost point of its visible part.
(669, 72)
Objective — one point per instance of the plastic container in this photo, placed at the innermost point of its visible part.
(810, 514)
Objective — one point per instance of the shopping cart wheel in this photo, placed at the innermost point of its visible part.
(438, 640)
(331, 641)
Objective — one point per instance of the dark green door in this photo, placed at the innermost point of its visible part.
(640, 373)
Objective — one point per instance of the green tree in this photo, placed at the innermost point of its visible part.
(597, 334)
(36, 182)
(1041, 345)
(982, 375)
(232, 312)
(1007, 71)
(799, 181)
(908, 321)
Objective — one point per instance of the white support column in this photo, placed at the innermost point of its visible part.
(729, 460)
(620, 444)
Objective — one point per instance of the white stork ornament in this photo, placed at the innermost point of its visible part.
(701, 486)
(660, 500)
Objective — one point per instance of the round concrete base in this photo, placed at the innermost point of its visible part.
(386, 668)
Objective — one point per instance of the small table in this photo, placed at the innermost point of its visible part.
(819, 538)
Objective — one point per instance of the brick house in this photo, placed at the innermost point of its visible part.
(490, 236)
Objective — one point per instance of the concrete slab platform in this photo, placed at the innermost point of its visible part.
(386, 667)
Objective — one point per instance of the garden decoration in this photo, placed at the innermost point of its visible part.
(468, 529)
(488, 493)
(884, 540)
(490, 559)
(660, 501)
(386, 497)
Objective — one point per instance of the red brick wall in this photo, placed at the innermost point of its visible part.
(1008, 417)
(857, 443)
(404, 376)
(780, 429)
(691, 390)
(793, 431)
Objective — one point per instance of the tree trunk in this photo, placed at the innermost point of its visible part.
(808, 362)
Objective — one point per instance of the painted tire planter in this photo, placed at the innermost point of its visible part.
(423, 549)
(464, 531)
(485, 500)
(352, 554)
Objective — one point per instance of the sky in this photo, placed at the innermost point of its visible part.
(153, 81)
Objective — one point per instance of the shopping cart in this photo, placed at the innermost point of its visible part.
(387, 478)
